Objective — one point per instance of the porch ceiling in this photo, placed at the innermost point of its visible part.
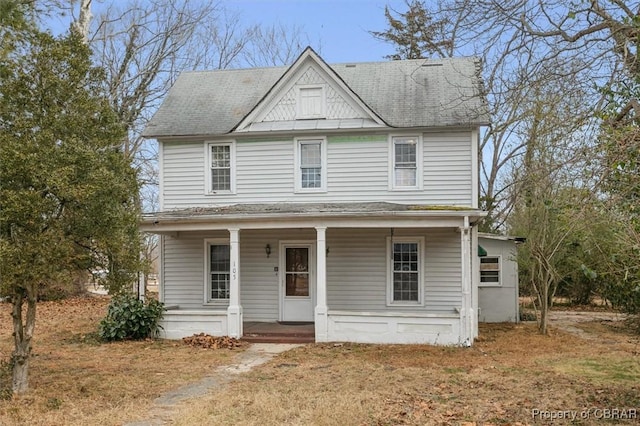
(301, 215)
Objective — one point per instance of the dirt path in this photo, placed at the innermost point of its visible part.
(165, 406)
(568, 321)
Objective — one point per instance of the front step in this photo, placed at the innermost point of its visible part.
(279, 332)
(279, 338)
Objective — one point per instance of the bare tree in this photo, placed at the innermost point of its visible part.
(551, 189)
(513, 64)
(274, 45)
(597, 29)
(144, 45)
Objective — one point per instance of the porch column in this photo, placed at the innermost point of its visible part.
(475, 279)
(466, 324)
(321, 320)
(234, 311)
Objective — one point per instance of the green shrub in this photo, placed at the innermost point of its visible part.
(131, 319)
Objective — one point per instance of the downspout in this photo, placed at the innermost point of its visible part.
(466, 312)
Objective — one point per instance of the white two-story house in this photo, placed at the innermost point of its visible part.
(343, 195)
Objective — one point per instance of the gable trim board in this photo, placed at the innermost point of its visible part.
(307, 62)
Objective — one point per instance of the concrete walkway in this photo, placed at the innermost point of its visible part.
(165, 406)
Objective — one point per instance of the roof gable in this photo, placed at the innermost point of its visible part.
(282, 106)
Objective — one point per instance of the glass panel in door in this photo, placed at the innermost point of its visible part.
(297, 271)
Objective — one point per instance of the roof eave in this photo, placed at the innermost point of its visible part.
(158, 223)
(244, 134)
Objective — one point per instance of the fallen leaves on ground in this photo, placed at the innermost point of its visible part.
(206, 341)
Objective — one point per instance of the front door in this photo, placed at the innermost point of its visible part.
(297, 282)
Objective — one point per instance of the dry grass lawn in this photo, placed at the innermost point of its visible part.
(508, 373)
(75, 380)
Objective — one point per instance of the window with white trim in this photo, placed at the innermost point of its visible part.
(490, 270)
(405, 159)
(311, 103)
(218, 271)
(221, 168)
(406, 271)
(311, 165)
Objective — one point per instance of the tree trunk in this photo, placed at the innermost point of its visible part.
(544, 307)
(84, 20)
(22, 333)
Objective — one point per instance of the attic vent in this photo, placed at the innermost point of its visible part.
(432, 65)
(350, 65)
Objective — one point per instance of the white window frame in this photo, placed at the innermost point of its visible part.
(392, 162)
(208, 175)
(298, 163)
(421, 270)
(492, 283)
(300, 114)
(208, 242)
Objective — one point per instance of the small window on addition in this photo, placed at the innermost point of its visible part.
(490, 270)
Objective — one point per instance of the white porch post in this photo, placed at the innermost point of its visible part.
(321, 320)
(475, 279)
(234, 311)
(467, 311)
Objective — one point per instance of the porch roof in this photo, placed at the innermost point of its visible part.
(287, 215)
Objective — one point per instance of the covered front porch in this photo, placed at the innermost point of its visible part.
(335, 267)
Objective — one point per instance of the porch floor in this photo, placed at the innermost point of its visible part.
(276, 332)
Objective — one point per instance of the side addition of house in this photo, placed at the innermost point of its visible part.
(341, 195)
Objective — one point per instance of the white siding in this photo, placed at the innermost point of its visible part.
(183, 280)
(443, 291)
(182, 173)
(499, 303)
(356, 270)
(447, 168)
(435, 329)
(264, 172)
(357, 170)
(259, 292)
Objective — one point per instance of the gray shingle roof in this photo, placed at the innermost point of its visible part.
(409, 93)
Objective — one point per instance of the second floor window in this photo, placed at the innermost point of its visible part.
(405, 166)
(221, 168)
(311, 164)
